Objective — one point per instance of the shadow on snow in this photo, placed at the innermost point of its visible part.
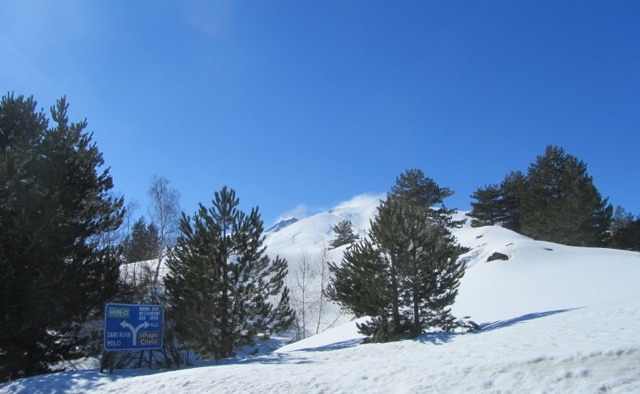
(333, 346)
(91, 379)
(524, 318)
(440, 338)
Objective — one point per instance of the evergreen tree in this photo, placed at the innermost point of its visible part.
(512, 190)
(365, 284)
(221, 286)
(143, 243)
(625, 231)
(345, 234)
(562, 204)
(55, 208)
(488, 209)
(140, 246)
(405, 275)
(414, 188)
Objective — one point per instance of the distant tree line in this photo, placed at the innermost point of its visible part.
(556, 200)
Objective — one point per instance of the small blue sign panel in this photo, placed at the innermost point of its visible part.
(133, 327)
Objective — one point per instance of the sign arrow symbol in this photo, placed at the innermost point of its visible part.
(134, 330)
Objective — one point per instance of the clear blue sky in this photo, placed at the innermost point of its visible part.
(309, 103)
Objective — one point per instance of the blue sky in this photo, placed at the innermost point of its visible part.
(303, 104)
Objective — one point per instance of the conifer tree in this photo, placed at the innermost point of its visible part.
(562, 204)
(345, 234)
(405, 275)
(512, 190)
(55, 208)
(488, 209)
(414, 188)
(625, 231)
(223, 290)
(143, 243)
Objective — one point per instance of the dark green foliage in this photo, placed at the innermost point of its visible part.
(499, 205)
(55, 207)
(221, 286)
(143, 243)
(512, 190)
(140, 246)
(488, 209)
(414, 188)
(556, 201)
(345, 234)
(405, 275)
(360, 281)
(561, 203)
(625, 231)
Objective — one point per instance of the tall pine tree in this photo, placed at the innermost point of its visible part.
(512, 191)
(55, 207)
(405, 275)
(562, 204)
(223, 290)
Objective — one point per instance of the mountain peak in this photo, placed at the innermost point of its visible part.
(281, 224)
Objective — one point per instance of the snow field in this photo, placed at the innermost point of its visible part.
(555, 319)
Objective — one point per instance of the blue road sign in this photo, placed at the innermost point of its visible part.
(132, 327)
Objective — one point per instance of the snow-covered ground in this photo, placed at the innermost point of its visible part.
(554, 318)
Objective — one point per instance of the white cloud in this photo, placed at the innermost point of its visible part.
(299, 212)
(361, 200)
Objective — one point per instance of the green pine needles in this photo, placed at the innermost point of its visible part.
(56, 210)
(345, 234)
(555, 201)
(223, 291)
(405, 274)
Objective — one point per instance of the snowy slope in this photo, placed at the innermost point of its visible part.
(312, 234)
(539, 276)
(554, 318)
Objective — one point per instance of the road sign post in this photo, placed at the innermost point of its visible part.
(133, 327)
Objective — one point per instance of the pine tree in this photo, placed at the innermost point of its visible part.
(488, 209)
(405, 275)
(221, 286)
(361, 285)
(345, 234)
(512, 190)
(414, 188)
(55, 208)
(625, 231)
(562, 204)
(143, 243)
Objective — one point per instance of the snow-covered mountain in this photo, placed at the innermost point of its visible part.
(281, 224)
(554, 319)
(312, 234)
